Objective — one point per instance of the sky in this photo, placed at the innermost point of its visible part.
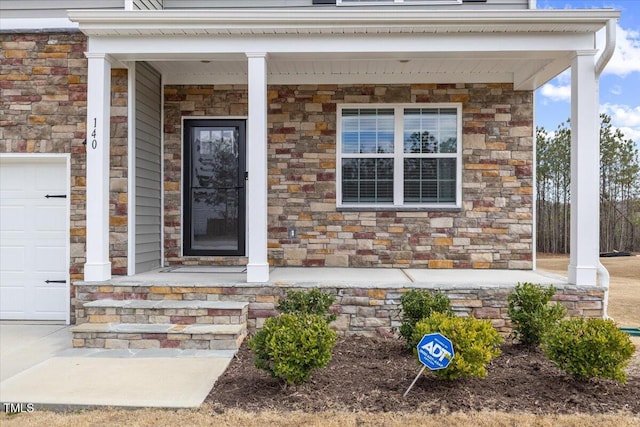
(619, 82)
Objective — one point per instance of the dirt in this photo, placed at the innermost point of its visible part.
(624, 288)
(371, 375)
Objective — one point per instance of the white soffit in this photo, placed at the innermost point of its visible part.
(328, 70)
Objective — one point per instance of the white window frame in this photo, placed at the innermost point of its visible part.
(398, 158)
(394, 2)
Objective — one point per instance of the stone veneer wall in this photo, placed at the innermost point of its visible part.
(367, 311)
(492, 230)
(43, 108)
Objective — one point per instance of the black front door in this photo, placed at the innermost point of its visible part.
(214, 187)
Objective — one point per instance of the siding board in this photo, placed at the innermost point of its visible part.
(148, 167)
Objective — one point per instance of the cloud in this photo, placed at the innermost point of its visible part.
(626, 58)
(557, 92)
(625, 118)
(616, 90)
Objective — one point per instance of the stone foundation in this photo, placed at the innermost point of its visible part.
(360, 310)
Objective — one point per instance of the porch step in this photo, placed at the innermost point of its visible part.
(158, 335)
(179, 312)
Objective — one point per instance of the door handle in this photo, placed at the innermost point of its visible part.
(55, 281)
(56, 196)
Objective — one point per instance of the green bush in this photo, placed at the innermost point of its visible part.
(308, 302)
(588, 348)
(531, 314)
(417, 305)
(475, 343)
(290, 346)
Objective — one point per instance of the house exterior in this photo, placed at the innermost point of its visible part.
(139, 135)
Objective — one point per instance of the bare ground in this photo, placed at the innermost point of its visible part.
(624, 289)
(371, 375)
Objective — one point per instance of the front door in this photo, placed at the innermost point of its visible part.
(214, 187)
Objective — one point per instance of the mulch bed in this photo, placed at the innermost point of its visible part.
(372, 374)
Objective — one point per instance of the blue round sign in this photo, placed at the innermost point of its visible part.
(435, 351)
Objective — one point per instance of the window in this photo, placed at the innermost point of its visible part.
(372, 2)
(399, 156)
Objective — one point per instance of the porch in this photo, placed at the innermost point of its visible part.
(487, 64)
(215, 307)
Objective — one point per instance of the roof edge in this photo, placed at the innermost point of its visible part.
(314, 18)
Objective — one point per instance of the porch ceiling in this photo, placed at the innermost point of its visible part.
(525, 71)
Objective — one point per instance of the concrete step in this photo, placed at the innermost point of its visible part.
(158, 335)
(181, 312)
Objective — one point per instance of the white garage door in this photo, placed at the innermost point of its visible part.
(34, 236)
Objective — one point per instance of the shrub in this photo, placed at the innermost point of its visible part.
(417, 305)
(475, 343)
(308, 302)
(588, 348)
(290, 346)
(531, 313)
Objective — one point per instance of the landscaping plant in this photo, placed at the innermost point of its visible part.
(308, 302)
(588, 348)
(290, 346)
(418, 304)
(475, 343)
(531, 313)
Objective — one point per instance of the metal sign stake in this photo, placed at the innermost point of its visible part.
(414, 381)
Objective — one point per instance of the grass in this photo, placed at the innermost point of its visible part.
(205, 416)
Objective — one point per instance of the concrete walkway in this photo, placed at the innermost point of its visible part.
(38, 365)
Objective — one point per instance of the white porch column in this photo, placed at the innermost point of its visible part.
(585, 171)
(258, 266)
(98, 267)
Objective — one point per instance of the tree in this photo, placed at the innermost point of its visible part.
(619, 189)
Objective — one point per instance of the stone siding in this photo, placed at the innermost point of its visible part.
(493, 229)
(360, 310)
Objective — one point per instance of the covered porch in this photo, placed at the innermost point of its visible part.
(260, 48)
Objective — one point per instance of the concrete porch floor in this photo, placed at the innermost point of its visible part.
(345, 277)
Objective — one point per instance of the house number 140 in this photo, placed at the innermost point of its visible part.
(94, 142)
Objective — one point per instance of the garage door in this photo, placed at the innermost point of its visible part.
(34, 236)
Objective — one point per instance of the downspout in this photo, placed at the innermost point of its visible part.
(603, 60)
(609, 47)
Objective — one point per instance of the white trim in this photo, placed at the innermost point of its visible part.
(162, 233)
(39, 24)
(255, 21)
(131, 172)
(67, 159)
(398, 155)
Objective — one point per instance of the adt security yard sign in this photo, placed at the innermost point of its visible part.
(435, 351)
